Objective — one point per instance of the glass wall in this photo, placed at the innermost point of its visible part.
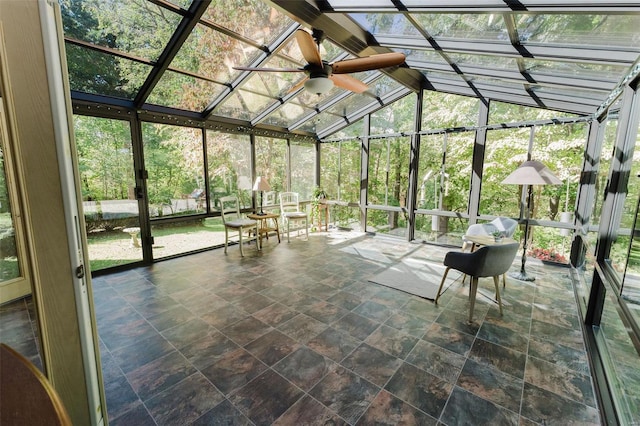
(620, 359)
(174, 161)
(229, 167)
(613, 308)
(631, 278)
(303, 166)
(176, 187)
(9, 264)
(340, 179)
(388, 168)
(109, 199)
(619, 257)
(506, 149)
(444, 180)
(388, 184)
(271, 163)
(443, 110)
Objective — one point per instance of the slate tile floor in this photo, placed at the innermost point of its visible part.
(297, 335)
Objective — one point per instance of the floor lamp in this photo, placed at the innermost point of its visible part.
(529, 173)
(261, 185)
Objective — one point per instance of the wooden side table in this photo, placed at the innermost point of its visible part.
(263, 225)
(323, 207)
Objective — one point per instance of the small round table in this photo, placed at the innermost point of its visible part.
(263, 228)
(486, 240)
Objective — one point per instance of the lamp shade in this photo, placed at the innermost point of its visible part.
(319, 85)
(532, 173)
(261, 184)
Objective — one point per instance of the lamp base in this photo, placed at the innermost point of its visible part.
(522, 276)
(261, 214)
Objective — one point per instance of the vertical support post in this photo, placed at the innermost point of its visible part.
(364, 171)
(587, 191)
(318, 162)
(414, 164)
(478, 162)
(252, 141)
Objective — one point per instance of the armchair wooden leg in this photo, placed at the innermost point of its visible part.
(444, 277)
(226, 240)
(240, 232)
(496, 281)
(473, 289)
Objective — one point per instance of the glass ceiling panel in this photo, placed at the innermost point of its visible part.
(602, 30)
(422, 55)
(99, 73)
(353, 130)
(499, 83)
(312, 100)
(185, 92)
(287, 114)
(355, 102)
(576, 69)
(371, 4)
(182, 3)
(212, 54)
(454, 77)
(243, 105)
(291, 51)
(419, 4)
(136, 27)
(275, 84)
(573, 94)
(483, 61)
(481, 26)
(385, 23)
(252, 19)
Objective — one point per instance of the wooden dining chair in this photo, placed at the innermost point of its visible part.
(26, 395)
(233, 221)
(291, 213)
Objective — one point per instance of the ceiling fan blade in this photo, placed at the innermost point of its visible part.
(349, 83)
(269, 69)
(308, 48)
(298, 85)
(373, 62)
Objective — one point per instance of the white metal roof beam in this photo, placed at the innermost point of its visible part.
(594, 54)
(471, 6)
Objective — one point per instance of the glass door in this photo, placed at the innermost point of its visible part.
(14, 282)
(109, 199)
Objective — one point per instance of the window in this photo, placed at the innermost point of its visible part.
(109, 200)
(303, 166)
(229, 167)
(271, 162)
(174, 160)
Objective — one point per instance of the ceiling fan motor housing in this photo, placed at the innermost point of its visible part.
(325, 71)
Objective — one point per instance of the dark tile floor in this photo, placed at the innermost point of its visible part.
(297, 335)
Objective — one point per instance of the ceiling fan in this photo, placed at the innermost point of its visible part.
(322, 76)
